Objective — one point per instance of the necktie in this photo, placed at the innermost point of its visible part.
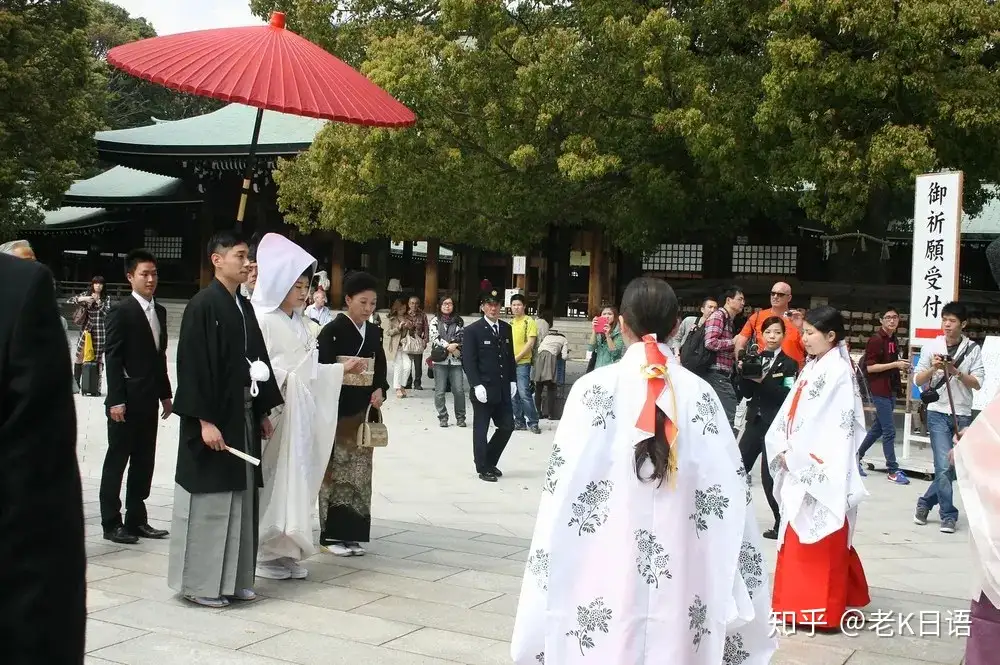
(154, 324)
(496, 332)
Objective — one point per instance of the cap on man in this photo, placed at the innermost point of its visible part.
(781, 297)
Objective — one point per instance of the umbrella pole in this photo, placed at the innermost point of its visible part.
(251, 160)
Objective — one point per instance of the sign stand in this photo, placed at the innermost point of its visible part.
(937, 220)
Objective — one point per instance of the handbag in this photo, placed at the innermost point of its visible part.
(932, 395)
(80, 316)
(372, 433)
(412, 345)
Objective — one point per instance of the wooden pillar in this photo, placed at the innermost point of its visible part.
(431, 277)
(559, 270)
(337, 273)
(380, 250)
(206, 228)
(595, 295)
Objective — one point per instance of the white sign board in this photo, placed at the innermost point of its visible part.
(520, 265)
(937, 221)
(991, 385)
(508, 294)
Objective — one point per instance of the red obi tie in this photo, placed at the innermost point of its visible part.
(655, 371)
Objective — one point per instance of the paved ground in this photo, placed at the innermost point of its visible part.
(440, 585)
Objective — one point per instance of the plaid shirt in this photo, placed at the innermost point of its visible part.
(719, 338)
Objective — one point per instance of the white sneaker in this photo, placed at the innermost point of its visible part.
(205, 601)
(356, 549)
(339, 549)
(296, 571)
(273, 570)
(245, 594)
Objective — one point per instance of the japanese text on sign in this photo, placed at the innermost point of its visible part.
(937, 216)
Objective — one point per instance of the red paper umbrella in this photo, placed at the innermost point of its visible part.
(264, 66)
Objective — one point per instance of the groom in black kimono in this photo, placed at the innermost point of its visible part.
(222, 405)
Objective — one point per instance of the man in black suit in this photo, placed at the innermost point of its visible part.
(488, 360)
(136, 360)
(42, 557)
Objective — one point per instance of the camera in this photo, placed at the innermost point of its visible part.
(753, 364)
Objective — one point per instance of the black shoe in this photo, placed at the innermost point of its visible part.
(519, 428)
(461, 423)
(443, 423)
(535, 429)
(121, 536)
(771, 534)
(496, 472)
(488, 476)
(146, 531)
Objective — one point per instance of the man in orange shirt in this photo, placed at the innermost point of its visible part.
(781, 297)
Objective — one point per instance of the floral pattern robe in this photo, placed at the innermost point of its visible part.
(625, 571)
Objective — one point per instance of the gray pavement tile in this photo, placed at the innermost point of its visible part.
(101, 634)
(135, 560)
(801, 652)
(395, 550)
(478, 579)
(96, 573)
(314, 593)
(160, 649)
(445, 617)
(91, 660)
(524, 543)
(312, 619)
(413, 568)
(312, 649)
(454, 544)
(98, 599)
(219, 629)
(320, 571)
(505, 605)
(436, 592)
(140, 585)
(868, 658)
(454, 646)
(98, 548)
(464, 560)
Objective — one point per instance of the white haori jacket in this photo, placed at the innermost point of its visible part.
(625, 571)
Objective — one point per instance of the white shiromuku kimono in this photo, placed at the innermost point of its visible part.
(295, 458)
(625, 571)
(819, 429)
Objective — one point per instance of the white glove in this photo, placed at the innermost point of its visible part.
(480, 392)
(513, 389)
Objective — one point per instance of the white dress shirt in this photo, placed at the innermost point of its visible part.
(149, 308)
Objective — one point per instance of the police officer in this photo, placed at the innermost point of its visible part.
(488, 360)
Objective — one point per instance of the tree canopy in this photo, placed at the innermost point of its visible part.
(649, 120)
(49, 108)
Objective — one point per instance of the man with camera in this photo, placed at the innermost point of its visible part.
(781, 297)
(953, 365)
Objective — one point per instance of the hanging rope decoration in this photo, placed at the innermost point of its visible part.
(830, 243)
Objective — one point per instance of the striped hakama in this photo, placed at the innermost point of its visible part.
(214, 548)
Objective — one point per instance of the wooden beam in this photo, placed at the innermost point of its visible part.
(337, 274)
(595, 295)
(431, 277)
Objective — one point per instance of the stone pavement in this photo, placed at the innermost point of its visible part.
(441, 581)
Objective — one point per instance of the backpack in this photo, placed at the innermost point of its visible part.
(694, 356)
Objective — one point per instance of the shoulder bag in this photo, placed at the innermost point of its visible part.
(372, 432)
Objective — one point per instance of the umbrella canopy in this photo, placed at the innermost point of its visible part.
(264, 66)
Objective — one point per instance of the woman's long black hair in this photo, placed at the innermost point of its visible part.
(649, 306)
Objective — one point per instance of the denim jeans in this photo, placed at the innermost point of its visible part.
(882, 427)
(723, 387)
(449, 377)
(942, 430)
(523, 402)
(560, 371)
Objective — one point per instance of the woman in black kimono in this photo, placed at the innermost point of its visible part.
(345, 498)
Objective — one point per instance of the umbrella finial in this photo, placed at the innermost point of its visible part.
(278, 20)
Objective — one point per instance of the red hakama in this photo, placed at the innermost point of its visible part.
(816, 583)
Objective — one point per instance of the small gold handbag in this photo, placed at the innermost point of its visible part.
(372, 434)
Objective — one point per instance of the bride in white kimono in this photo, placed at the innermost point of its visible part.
(812, 448)
(645, 548)
(294, 459)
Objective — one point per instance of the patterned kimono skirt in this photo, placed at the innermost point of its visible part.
(815, 584)
(345, 497)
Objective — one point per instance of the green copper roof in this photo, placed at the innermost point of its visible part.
(121, 185)
(224, 132)
(74, 217)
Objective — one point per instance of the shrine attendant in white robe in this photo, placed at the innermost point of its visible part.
(294, 459)
(812, 448)
(645, 550)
